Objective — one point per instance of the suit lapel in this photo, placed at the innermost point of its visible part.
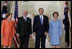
(39, 19)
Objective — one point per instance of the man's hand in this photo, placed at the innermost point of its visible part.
(34, 33)
(45, 33)
(18, 46)
(18, 34)
(30, 35)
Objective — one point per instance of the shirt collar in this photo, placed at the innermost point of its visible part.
(25, 17)
(55, 21)
(40, 16)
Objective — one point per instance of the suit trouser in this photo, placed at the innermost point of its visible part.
(24, 41)
(38, 39)
(67, 36)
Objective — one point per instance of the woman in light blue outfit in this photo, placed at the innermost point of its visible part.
(55, 31)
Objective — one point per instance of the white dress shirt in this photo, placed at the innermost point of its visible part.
(25, 18)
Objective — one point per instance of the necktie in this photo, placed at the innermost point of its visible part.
(41, 20)
(25, 19)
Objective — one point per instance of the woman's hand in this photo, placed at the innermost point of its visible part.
(60, 37)
(1, 36)
(45, 33)
(48, 38)
(30, 35)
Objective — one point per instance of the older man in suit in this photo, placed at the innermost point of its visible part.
(40, 28)
(24, 30)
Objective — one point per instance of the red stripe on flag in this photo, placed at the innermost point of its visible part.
(16, 41)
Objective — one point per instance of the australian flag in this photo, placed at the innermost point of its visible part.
(66, 23)
(4, 10)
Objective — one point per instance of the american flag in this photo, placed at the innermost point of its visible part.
(4, 10)
(16, 40)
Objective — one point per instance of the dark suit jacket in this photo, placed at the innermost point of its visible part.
(38, 28)
(24, 27)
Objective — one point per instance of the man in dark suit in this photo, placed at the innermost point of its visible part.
(66, 26)
(40, 28)
(24, 30)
